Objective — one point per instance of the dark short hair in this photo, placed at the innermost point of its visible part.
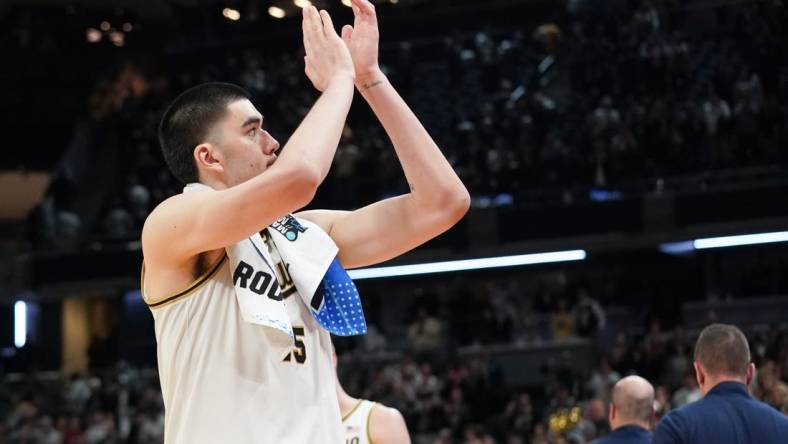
(188, 121)
(723, 350)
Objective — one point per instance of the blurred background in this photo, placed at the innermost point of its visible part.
(627, 131)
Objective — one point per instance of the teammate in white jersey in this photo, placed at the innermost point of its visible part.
(368, 422)
(222, 379)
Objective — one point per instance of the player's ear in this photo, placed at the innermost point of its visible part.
(208, 157)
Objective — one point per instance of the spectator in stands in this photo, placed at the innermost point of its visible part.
(716, 113)
(47, 433)
(374, 340)
(769, 388)
(631, 412)
(589, 315)
(562, 322)
(592, 423)
(688, 393)
(426, 333)
(727, 413)
(679, 365)
(602, 380)
(662, 403)
(519, 415)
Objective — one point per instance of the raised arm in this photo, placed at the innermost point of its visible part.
(188, 224)
(437, 198)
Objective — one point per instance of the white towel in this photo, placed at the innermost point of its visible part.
(307, 250)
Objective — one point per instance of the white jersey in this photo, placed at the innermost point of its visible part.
(221, 379)
(356, 423)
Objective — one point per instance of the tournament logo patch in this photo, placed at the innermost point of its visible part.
(289, 227)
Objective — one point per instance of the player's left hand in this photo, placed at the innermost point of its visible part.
(362, 39)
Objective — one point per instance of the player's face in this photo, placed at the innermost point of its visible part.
(247, 148)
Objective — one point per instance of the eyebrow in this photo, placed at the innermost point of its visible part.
(252, 120)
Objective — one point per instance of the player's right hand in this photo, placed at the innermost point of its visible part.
(327, 56)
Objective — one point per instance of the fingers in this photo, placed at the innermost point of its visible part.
(328, 25)
(347, 33)
(326, 53)
(315, 23)
(363, 7)
(364, 13)
(312, 25)
(316, 26)
(308, 31)
(313, 35)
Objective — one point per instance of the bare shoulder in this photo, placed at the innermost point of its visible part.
(171, 209)
(168, 223)
(168, 266)
(387, 426)
(161, 215)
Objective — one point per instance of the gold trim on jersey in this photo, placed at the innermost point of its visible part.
(369, 422)
(353, 410)
(190, 289)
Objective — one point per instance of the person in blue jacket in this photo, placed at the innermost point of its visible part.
(631, 412)
(726, 414)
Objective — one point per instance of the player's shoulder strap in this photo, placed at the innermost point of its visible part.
(368, 420)
(361, 413)
(362, 409)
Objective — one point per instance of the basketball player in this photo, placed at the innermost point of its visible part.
(221, 378)
(367, 422)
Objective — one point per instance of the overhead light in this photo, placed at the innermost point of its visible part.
(736, 241)
(105, 26)
(117, 38)
(93, 35)
(347, 3)
(127, 27)
(276, 12)
(677, 248)
(231, 14)
(302, 3)
(394, 2)
(468, 264)
(685, 247)
(20, 324)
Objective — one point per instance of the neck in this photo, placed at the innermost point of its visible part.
(213, 181)
(346, 402)
(717, 380)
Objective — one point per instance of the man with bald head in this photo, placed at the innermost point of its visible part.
(726, 414)
(631, 412)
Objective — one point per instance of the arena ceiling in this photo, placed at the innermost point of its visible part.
(164, 8)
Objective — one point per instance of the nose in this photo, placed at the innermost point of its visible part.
(270, 144)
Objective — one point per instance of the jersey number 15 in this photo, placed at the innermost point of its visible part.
(299, 348)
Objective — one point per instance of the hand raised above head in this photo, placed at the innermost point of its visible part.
(362, 38)
(327, 56)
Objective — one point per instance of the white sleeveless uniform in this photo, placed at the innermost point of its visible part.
(356, 423)
(221, 379)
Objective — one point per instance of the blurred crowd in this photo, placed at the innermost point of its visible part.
(461, 398)
(118, 405)
(609, 100)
